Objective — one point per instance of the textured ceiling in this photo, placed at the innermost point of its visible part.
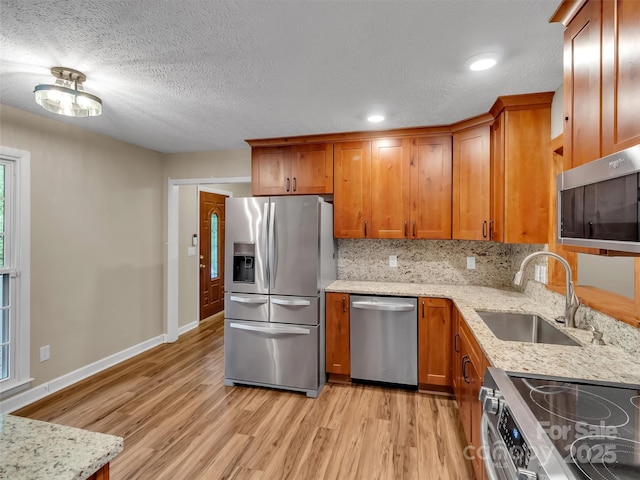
(196, 75)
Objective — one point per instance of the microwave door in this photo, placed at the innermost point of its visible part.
(246, 234)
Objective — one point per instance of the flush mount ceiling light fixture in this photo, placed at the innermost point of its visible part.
(375, 118)
(67, 96)
(483, 61)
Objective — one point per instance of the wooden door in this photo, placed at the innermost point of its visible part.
(312, 169)
(390, 187)
(431, 169)
(620, 75)
(271, 171)
(582, 85)
(352, 190)
(211, 254)
(471, 183)
(434, 342)
(338, 358)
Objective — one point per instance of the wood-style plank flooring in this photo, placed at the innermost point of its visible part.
(179, 421)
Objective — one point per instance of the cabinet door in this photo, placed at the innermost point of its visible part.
(456, 357)
(471, 183)
(496, 224)
(352, 190)
(338, 359)
(312, 169)
(390, 187)
(434, 342)
(270, 171)
(620, 75)
(431, 170)
(582, 85)
(475, 414)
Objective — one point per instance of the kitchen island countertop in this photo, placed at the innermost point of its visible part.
(606, 363)
(35, 450)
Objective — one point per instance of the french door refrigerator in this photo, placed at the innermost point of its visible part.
(279, 257)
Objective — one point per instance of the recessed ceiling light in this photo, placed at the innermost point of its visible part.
(482, 61)
(375, 118)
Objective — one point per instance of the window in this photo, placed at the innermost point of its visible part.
(14, 269)
(214, 245)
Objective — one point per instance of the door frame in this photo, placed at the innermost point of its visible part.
(171, 280)
(197, 267)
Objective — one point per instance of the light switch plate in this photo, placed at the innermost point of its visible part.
(393, 261)
(191, 251)
(471, 263)
(45, 353)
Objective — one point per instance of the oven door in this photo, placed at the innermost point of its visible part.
(497, 461)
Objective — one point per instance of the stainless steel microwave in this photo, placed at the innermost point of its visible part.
(599, 203)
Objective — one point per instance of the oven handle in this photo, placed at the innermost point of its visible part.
(489, 464)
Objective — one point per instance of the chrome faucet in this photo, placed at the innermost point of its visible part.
(571, 301)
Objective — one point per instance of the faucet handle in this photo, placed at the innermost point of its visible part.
(597, 335)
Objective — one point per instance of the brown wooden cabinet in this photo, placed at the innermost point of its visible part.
(434, 342)
(352, 190)
(469, 364)
(601, 71)
(292, 170)
(337, 348)
(471, 183)
(520, 168)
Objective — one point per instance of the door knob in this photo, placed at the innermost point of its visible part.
(202, 265)
(201, 257)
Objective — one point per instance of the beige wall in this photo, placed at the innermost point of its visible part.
(96, 249)
(188, 306)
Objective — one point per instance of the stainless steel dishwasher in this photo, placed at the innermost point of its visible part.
(384, 339)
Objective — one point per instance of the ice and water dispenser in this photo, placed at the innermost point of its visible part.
(244, 266)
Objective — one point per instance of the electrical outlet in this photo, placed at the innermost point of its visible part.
(45, 353)
(393, 261)
(543, 274)
(536, 273)
(471, 263)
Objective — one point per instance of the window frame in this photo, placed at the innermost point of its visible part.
(18, 242)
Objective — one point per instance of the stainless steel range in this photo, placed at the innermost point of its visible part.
(551, 428)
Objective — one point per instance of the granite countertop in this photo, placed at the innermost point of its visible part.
(606, 363)
(35, 450)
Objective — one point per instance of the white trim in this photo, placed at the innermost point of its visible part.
(22, 225)
(34, 394)
(187, 327)
(171, 293)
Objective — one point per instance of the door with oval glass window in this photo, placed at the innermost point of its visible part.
(211, 254)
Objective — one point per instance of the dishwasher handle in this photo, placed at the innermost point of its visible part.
(389, 307)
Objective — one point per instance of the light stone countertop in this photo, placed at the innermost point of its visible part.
(35, 450)
(606, 363)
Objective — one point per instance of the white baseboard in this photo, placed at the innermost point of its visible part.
(37, 393)
(187, 327)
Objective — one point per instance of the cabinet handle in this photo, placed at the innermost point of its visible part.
(423, 309)
(484, 229)
(455, 342)
(288, 184)
(590, 230)
(465, 361)
(414, 228)
(294, 184)
(406, 230)
(491, 232)
(344, 304)
(365, 228)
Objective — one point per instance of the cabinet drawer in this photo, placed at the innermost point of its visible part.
(298, 310)
(243, 306)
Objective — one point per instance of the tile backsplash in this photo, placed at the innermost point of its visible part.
(431, 261)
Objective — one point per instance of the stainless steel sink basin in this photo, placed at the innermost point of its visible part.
(524, 327)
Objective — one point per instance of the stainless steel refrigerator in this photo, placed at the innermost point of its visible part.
(279, 257)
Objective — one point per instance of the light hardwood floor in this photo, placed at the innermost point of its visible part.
(179, 421)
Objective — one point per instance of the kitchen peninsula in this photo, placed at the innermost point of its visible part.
(35, 450)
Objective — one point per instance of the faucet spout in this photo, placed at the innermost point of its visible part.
(571, 299)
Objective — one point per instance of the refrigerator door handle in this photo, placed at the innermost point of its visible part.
(274, 331)
(390, 307)
(234, 298)
(291, 303)
(273, 260)
(263, 247)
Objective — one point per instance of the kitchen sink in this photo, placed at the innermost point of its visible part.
(524, 327)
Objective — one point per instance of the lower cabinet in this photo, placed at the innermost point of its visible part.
(469, 364)
(434, 347)
(338, 358)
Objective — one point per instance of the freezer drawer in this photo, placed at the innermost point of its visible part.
(246, 306)
(298, 310)
(384, 339)
(272, 355)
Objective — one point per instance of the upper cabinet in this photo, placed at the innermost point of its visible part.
(471, 183)
(520, 168)
(292, 170)
(601, 77)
